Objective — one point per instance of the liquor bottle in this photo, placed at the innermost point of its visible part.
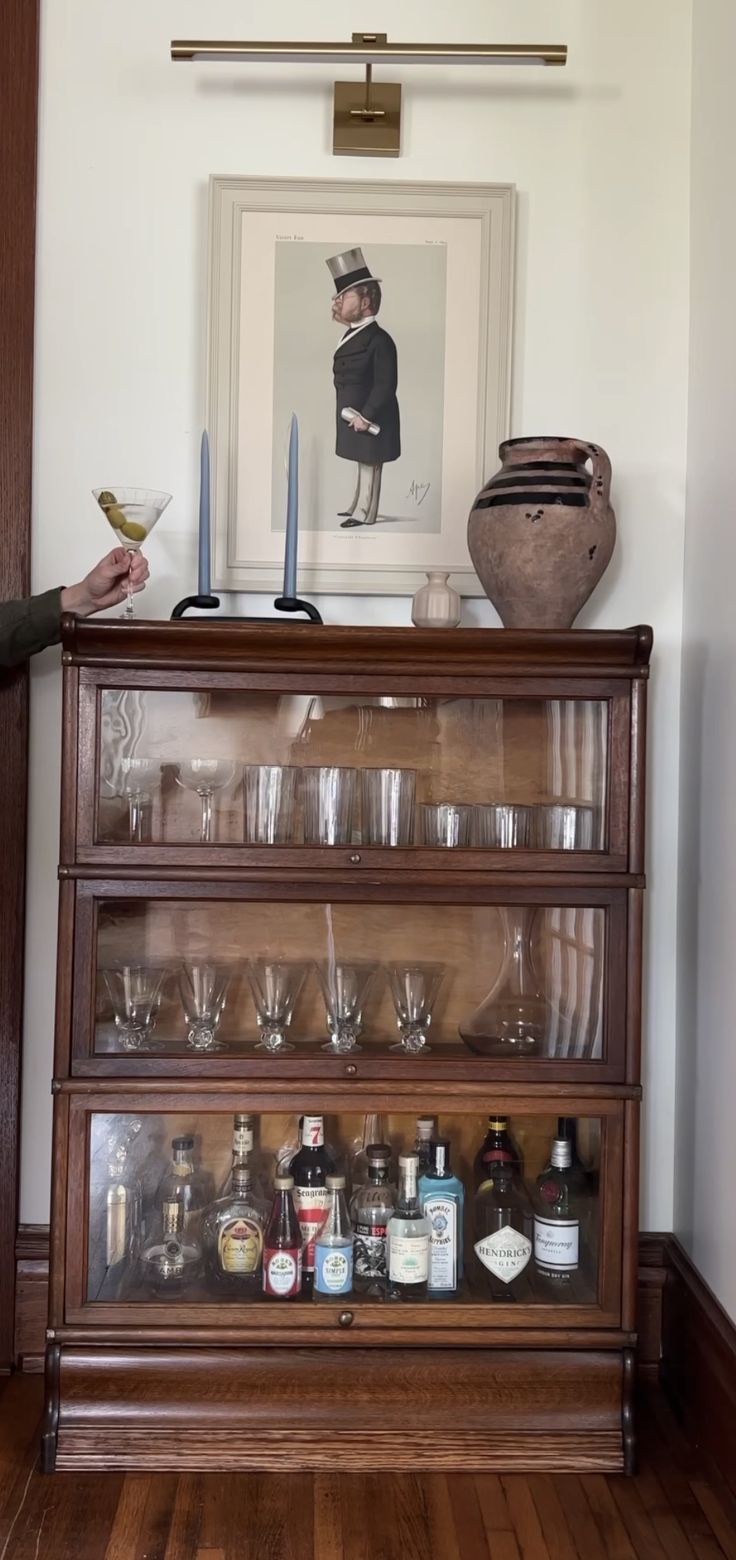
(172, 1259)
(282, 1245)
(498, 1147)
(567, 1127)
(503, 1220)
(186, 1185)
(372, 1133)
(557, 1211)
(407, 1238)
(232, 1234)
(123, 1207)
(370, 1210)
(442, 1198)
(333, 1248)
(310, 1169)
(426, 1128)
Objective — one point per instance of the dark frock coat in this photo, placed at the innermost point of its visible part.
(365, 374)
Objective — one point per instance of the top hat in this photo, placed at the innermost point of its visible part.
(349, 270)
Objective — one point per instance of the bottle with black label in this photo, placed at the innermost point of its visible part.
(442, 1198)
(310, 1168)
(503, 1220)
(371, 1208)
(498, 1147)
(407, 1238)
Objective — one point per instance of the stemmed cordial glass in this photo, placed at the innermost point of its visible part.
(205, 776)
(414, 989)
(134, 992)
(276, 986)
(512, 1021)
(132, 512)
(203, 987)
(345, 988)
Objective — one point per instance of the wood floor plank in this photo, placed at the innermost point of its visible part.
(552, 1519)
(413, 1537)
(667, 1526)
(607, 1515)
(328, 1536)
(713, 1508)
(129, 1519)
(467, 1518)
(493, 1503)
(636, 1520)
(367, 1510)
(503, 1546)
(523, 1512)
(186, 1518)
(580, 1518)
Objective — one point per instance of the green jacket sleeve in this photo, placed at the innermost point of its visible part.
(29, 625)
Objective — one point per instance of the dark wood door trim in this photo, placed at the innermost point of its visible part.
(18, 139)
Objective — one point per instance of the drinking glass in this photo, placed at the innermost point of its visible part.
(563, 826)
(132, 512)
(388, 806)
(203, 987)
(276, 986)
(502, 825)
(205, 776)
(512, 1021)
(444, 823)
(414, 989)
(134, 992)
(140, 776)
(329, 796)
(270, 794)
(345, 988)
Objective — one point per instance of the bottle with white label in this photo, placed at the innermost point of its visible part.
(442, 1198)
(370, 1210)
(503, 1229)
(310, 1168)
(407, 1238)
(557, 1220)
(282, 1245)
(333, 1248)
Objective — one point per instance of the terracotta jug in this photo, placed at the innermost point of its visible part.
(542, 531)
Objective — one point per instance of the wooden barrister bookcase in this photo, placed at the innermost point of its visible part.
(541, 734)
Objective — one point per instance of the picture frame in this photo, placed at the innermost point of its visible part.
(444, 256)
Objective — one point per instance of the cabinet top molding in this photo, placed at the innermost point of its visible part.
(396, 652)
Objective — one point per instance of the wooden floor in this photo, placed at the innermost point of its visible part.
(674, 1508)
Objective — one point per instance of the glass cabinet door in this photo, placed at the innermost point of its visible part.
(523, 778)
(378, 980)
(516, 1212)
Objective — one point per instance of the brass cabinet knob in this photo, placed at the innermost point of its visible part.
(354, 859)
(351, 1070)
(346, 1318)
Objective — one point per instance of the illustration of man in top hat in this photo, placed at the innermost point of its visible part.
(365, 375)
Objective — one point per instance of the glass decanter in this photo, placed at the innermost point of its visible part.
(512, 1021)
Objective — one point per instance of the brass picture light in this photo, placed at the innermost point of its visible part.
(367, 121)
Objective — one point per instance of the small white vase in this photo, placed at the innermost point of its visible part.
(436, 604)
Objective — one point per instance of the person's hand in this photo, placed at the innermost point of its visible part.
(359, 423)
(107, 584)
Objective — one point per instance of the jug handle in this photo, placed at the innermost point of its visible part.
(601, 473)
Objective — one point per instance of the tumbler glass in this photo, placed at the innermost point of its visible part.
(502, 825)
(329, 797)
(270, 797)
(444, 823)
(388, 806)
(564, 826)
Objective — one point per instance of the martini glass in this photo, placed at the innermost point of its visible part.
(132, 513)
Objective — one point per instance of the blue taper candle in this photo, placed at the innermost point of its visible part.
(204, 585)
(292, 512)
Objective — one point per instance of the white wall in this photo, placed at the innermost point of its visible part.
(599, 153)
(706, 1085)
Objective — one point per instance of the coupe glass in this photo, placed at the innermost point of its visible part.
(205, 776)
(132, 512)
(414, 989)
(204, 988)
(276, 985)
(513, 1019)
(345, 988)
(134, 992)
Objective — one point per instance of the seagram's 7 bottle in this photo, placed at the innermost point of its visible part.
(310, 1168)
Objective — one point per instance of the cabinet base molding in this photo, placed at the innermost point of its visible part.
(289, 1409)
(699, 1361)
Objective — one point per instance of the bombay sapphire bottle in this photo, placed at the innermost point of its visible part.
(442, 1199)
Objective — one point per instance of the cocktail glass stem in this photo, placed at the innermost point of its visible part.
(136, 814)
(206, 826)
(129, 610)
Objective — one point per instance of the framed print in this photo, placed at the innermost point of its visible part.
(379, 314)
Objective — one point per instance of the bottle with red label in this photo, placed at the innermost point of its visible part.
(498, 1147)
(310, 1168)
(282, 1245)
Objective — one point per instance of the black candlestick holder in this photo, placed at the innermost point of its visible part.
(281, 603)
